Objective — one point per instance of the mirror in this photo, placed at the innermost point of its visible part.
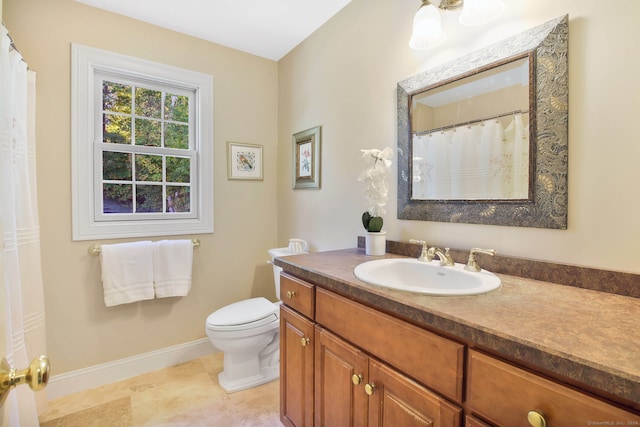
(483, 139)
(470, 137)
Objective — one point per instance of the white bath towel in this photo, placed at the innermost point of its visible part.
(127, 272)
(172, 265)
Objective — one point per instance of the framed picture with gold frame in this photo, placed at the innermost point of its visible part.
(306, 159)
(244, 161)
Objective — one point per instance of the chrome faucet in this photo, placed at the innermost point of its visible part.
(445, 257)
(424, 255)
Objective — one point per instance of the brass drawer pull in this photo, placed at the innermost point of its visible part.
(536, 419)
(369, 388)
(305, 342)
(291, 294)
(356, 379)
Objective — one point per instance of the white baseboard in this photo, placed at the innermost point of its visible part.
(106, 373)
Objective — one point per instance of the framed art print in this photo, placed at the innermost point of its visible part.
(306, 159)
(244, 161)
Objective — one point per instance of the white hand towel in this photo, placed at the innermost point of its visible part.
(127, 272)
(172, 265)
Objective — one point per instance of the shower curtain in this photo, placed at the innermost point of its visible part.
(24, 295)
(485, 160)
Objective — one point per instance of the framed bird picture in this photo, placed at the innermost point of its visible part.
(306, 159)
(244, 161)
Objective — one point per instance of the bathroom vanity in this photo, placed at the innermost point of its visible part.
(530, 353)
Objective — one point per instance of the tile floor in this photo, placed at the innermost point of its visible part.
(184, 395)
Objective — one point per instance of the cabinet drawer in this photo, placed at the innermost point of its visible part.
(298, 295)
(428, 358)
(504, 394)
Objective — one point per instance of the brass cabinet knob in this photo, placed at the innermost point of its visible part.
(291, 294)
(536, 419)
(356, 379)
(369, 388)
(305, 341)
(36, 375)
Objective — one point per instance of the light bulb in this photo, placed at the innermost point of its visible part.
(427, 28)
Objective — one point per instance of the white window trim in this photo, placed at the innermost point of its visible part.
(85, 62)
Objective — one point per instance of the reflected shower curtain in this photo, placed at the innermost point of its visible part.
(517, 133)
(472, 162)
(431, 159)
(21, 238)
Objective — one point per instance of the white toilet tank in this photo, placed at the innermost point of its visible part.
(273, 253)
(276, 252)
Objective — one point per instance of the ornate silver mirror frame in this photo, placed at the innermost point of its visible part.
(547, 46)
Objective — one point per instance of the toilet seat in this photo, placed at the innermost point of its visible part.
(242, 315)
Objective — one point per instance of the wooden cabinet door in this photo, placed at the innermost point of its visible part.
(397, 400)
(471, 421)
(340, 374)
(296, 369)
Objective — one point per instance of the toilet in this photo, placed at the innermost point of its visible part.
(247, 332)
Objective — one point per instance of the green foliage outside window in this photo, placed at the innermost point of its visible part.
(152, 118)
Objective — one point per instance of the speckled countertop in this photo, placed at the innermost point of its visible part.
(587, 338)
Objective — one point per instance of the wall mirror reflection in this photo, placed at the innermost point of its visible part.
(483, 139)
(470, 137)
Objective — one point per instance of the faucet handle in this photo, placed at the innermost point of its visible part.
(423, 255)
(472, 264)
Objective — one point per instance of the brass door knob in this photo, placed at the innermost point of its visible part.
(305, 341)
(369, 388)
(291, 294)
(356, 379)
(536, 419)
(36, 375)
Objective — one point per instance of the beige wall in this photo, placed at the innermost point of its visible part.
(479, 107)
(344, 78)
(230, 264)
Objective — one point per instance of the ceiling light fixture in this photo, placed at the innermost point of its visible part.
(427, 24)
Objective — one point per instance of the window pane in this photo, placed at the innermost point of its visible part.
(116, 166)
(116, 129)
(148, 132)
(117, 198)
(116, 97)
(176, 136)
(148, 198)
(176, 108)
(178, 199)
(148, 168)
(148, 102)
(178, 169)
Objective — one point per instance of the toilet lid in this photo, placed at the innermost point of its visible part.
(276, 252)
(244, 314)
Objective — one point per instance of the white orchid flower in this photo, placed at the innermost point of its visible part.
(380, 155)
(375, 178)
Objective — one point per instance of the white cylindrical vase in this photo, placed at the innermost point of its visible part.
(375, 243)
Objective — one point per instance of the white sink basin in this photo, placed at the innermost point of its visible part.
(411, 275)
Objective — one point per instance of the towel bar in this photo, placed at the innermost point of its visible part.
(95, 248)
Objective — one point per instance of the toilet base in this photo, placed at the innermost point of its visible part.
(232, 385)
(246, 369)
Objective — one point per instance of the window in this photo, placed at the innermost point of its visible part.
(142, 147)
